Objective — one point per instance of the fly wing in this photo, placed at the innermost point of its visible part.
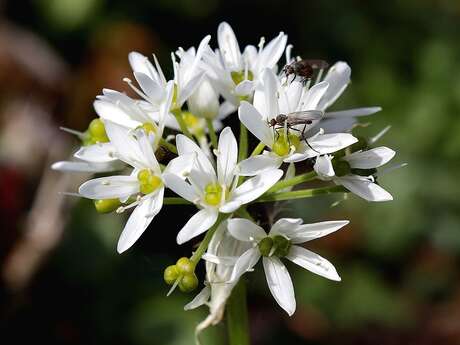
(303, 117)
(316, 63)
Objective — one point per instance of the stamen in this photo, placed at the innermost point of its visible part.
(135, 89)
(70, 194)
(320, 74)
(379, 135)
(72, 131)
(288, 53)
(389, 169)
(261, 44)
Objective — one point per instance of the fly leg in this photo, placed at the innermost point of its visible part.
(302, 135)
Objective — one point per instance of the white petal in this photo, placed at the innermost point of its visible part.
(258, 164)
(308, 232)
(199, 223)
(371, 158)
(110, 187)
(204, 101)
(363, 187)
(323, 167)
(327, 143)
(244, 88)
(280, 283)
(186, 145)
(229, 48)
(141, 64)
(354, 112)
(270, 90)
(256, 186)
(200, 299)
(139, 220)
(186, 90)
(314, 95)
(97, 153)
(245, 230)
(111, 112)
(272, 52)
(152, 89)
(335, 125)
(180, 187)
(226, 157)
(181, 165)
(253, 121)
(245, 262)
(338, 78)
(87, 167)
(312, 262)
(285, 226)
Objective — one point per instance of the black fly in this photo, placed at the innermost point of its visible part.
(304, 68)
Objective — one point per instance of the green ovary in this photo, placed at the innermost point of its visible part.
(95, 133)
(213, 194)
(274, 246)
(239, 76)
(283, 144)
(148, 181)
(149, 127)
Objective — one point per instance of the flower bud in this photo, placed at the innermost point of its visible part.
(171, 274)
(188, 283)
(106, 205)
(204, 101)
(185, 266)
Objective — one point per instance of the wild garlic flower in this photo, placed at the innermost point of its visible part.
(235, 74)
(356, 171)
(142, 190)
(282, 242)
(286, 146)
(212, 189)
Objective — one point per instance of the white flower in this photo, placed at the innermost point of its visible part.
(354, 171)
(213, 191)
(235, 74)
(218, 273)
(282, 242)
(204, 101)
(145, 182)
(285, 148)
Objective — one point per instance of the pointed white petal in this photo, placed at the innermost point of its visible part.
(338, 78)
(87, 167)
(256, 186)
(245, 230)
(152, 89)
(180, 187)
(199, 223)
(139, 220)
(258, 164)
(323, 167)
(186, 90)
(312, 262)
(354, 112)
(245, 262)
(110, 187)
(97, 153)
(244, 88)
(285, 226)
(280, 283)
(141, 64)
(270, 90)
(200, 299)
(272, 52)
(226, 157)
(314, 95)
(180, 165)
(111, 112)
(363, 187)
(253, 121)
(369, 159)
(326, 143)
(229, 47)
(308, 232)
(186, 146)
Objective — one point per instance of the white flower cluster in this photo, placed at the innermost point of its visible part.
(217, 176)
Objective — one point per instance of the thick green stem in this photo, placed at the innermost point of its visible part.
(258, 149)
(169, 146)
(243, 212)
(183, 127)
(212, 133)
(300, 194)
(292, 181)
(207, 238)
(243, 147)
(237, 316)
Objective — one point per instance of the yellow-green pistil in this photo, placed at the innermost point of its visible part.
(213, 194)
(95, 133)
(282, 145)
(275, 246)
(148, 181)
(239, 76)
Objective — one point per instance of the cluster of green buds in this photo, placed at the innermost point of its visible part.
(182, 274)
(95, 133)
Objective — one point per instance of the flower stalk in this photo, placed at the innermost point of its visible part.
(292, 182)
(237, 316)
(300, 194)
(212, 133)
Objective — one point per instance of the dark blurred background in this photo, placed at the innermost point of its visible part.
(62, 281)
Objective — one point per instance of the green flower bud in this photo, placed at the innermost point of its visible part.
(282, 245)
(341, 167)
(171, 274)
(188, 283)
(265, 246)
(106, 205)
(185, 266)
